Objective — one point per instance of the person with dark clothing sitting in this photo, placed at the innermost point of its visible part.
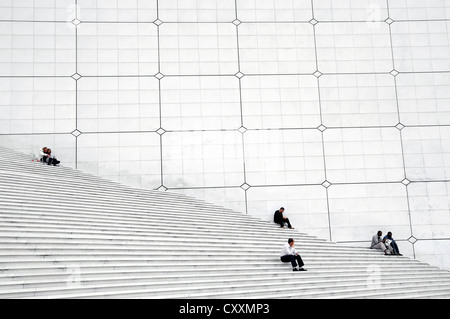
(392, 243)
(52, 159)
(278, 218)
(44, 155)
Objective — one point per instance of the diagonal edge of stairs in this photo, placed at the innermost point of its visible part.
(68, 234)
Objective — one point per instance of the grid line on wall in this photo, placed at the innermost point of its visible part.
(400, 122)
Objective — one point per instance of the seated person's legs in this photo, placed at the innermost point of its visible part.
(380, 246)
(291, 259)
(299, 261)
(395, 248)
(295, 261)
(55, 161)
(288, 222)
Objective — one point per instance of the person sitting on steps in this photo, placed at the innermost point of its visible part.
(278, 218)
(392, 244)
(44, 155)
(379, 243)
(51, 159)
(289, 254)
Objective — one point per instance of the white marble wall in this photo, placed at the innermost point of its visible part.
(337, 110)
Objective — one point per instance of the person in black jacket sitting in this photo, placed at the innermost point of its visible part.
(278, 218)
(51, 160)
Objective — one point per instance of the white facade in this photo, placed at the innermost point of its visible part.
(337, 110)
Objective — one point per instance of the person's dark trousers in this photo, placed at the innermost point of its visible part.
(285, 221)
(288, 222)
(294, 260)
(395, 247)
(53, 161)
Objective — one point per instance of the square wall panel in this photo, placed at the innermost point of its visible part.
(419, 9)
(274, 10)
(430, 209)
(350, 10)
(427, 153)
(197, 10)
(277, 48)
(198, 49)
(356, 47)
(37, 49)
(63, 146)
(357, 212)
(280, 101)
(118, 104)
(424, 98)
(284, 157)
(111, 49)
(355, 155)
(358, 100)
(305, 206)
(202, 159)
(133, 158)
(117, 10)
(42, 10)
(200, 103)
(37, 105)
(421, 46)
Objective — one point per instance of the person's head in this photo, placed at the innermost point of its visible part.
(380, 233)
(291, 242)
(389, 235)
(49, 151)
(45, 149)
(282, 209)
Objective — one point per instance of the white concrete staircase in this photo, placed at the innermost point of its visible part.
(68, 234)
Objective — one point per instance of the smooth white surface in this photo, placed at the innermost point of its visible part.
(200, 103)
(280, 101)
(337, 110)
(198, 49)
(118, 104)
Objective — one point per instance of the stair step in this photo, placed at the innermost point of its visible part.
(148, 223)
(61, 266)
(303, 284)
(157, 236)
(217, 291)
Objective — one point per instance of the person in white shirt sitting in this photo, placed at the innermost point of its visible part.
(379, 243)
(44, 155)
(289, 254)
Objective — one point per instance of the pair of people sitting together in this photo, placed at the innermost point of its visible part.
(386, 244)
(47, 157)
